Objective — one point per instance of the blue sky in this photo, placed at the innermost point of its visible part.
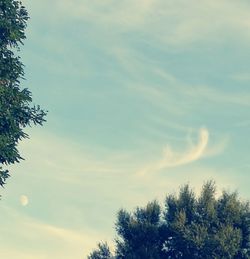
(143, 97)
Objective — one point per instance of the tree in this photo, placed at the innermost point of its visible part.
(187, 227)
(16, 109)
(140, 231)
(102, 252)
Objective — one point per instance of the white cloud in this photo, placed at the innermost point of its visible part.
(64, 235)
(174, 159)
(244, 123)
(66, 155)
(176, 88)
(206, 21)
(240, 98)
(8, 252)
(45, 239)
(242, 77)
(166, 25)
(176, 23)
(123, 14)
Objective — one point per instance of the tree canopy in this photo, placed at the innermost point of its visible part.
(187, 227)
(16, 109)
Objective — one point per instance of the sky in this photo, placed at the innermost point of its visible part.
(143, 97)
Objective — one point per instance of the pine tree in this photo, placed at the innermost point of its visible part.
(201, 227)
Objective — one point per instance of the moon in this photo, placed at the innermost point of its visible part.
(24, 200)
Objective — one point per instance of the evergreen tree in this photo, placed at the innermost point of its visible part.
(188, 227)
(16, 110)
(139, 233)
(102, 252)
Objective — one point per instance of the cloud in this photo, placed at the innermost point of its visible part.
(82, 241)
(8, 252)
(24, 200)
(48, 240)
(124, 15)
(190, 94)
(174, 159)
(212, 94)
(243, 123)
(60, 233)
(67, 155)
(174, 23)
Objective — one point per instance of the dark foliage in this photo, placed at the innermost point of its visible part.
(102, 252)
(16, 110)
(188, 227)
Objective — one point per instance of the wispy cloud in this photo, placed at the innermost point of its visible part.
(56, 240)
(174, 159)
(190, 22)
(174, 23)
(241, 77)
(125, 15)
(217, 96)
(174, 87)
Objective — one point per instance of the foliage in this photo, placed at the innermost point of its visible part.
(102, 252)
(187, 227)
(16, 110)
(138, 232)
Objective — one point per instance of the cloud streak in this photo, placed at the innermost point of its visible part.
(45, 239)
(177, 24)
(174, 159)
